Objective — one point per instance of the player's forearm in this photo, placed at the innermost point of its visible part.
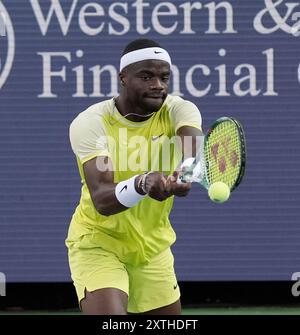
(106, 201)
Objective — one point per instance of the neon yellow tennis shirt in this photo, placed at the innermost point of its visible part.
(141, 232)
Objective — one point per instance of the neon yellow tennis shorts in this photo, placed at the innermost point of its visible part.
(148, 286)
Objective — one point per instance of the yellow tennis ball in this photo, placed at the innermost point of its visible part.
(218, 192)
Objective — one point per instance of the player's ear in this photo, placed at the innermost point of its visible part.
(122, 78)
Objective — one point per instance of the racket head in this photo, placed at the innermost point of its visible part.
(225, 152)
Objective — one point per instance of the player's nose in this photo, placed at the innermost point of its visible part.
(156, 84)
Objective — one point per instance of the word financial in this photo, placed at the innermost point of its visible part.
(199, 79)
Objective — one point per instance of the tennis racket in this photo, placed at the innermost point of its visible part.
(221, 158)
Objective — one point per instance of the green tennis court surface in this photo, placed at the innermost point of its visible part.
(189, 311)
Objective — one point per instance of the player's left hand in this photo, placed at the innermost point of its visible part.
(180, 190)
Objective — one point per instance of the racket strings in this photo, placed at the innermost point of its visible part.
(223, 154)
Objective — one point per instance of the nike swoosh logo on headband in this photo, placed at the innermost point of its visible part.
(158, 52)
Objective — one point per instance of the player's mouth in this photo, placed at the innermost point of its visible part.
(155, 96)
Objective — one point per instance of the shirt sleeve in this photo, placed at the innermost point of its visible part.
(185, 113)
(88, 137)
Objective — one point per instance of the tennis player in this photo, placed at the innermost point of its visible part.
(120, 236)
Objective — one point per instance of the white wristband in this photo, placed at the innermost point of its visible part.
(126, 194)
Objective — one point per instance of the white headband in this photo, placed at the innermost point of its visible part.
(144, 54)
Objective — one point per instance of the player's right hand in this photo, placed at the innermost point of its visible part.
(155, 185)
(178, 189)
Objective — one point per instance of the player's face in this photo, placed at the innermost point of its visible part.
(146, 84)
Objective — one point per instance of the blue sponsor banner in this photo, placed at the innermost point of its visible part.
(231, 58)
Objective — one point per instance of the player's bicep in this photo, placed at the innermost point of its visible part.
(97, 171)
(99, 177)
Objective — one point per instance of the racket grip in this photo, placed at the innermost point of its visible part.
(187, 163)
(179, 181)
(186, 167)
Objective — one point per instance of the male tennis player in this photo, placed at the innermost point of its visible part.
(120, 235)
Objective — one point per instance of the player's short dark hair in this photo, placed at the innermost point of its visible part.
(140, 43)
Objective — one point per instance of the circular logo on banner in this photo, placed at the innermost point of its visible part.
(7, 45)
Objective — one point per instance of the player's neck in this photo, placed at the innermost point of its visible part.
(126, 108)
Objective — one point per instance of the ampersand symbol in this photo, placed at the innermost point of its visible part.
(295, 30)
(271, 9)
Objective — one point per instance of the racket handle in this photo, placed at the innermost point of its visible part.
(179, 181)
(186, 167)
